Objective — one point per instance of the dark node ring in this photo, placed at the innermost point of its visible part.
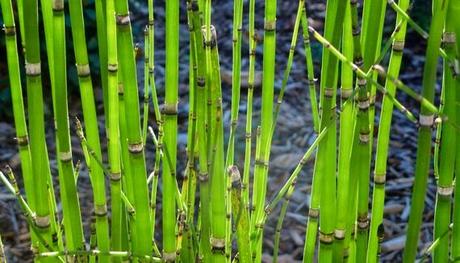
(326, 238)
(203, 177)
(169, 109)
(100, 210)
(83, 70)
(115, 177)
(33, 69)
(136, 147)
(398, 45)
(328, 92)
(313, 213)
(123, 20)
(380, 179)
(200, 82)
(112, 67)
(58, 6)
(23, 140)
(9, 30)
(261, 162)
(270, 25)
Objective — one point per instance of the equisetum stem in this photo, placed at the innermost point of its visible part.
(378, 199)
(447, 151)
(346, 134)
(249, 106)
(455, 244)
(142, 241)
(268, 83)
(424, 135)
(22, 136)
(170, 129)
(39, 156)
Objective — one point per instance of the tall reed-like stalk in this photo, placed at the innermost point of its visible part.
(14, 74)
(141, 243)
(268, 85)
(113, 129)
(71, 207)
(346, 135)
(424, 134)
(170, 128)
(39, 154)
(455, 243)
(447, 152)
(378, 199)
(91, 124)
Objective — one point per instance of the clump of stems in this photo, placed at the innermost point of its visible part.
(212, 205)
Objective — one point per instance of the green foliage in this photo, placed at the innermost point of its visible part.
(215, 203)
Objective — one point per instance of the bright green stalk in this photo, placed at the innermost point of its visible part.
(310, 69)
(39, 155)
(378, 199)
(283, 88)
(154, 175)
(268, 85)
(127, 174)
(189, 183)
(236, 77)
(326, 102)
(349, 243)
(455, 244)
(447, 152)
(346, 135)
(142, 241)
(113, 130)
(102, 45)
(18, 104)
(424, 136)
(236, 86)
(249, 105)
(203, 176)
(71, 207)
(170, 128)
(325, 163)
(48, 24)
(219, 218)
(372, 22)
(145, 117)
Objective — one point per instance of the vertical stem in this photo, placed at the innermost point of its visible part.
(113, 130)
(378, 200)
(346, 135)
(142, 241)
(249, 105)
(268, 85)
(14, 76)
(39, 155)
(424, 134)
(170, 128)
(71, 207)
(447, 153)
(455, 245)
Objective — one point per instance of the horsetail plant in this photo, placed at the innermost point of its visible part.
(212, 204)
(426, 121)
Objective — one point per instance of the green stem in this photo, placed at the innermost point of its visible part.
(424, 134)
